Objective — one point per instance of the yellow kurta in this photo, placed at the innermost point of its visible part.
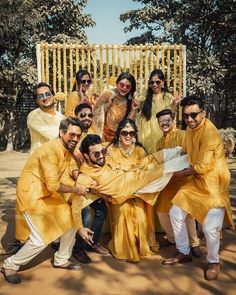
(129, 220)
(122, 182)
(43, 127)
(37, 193)
(149, 131)
(210, 188)
(173, 138)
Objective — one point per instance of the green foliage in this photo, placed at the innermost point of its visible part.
(208, 28)
(23, 23)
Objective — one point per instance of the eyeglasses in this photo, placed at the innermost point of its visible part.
(124, 86)
(74, 136)
(158, 82)
(83, 115)
(98, 153)
(44, 95)
(192, 115)
(86, 82)
(163, 122)
(126, 133)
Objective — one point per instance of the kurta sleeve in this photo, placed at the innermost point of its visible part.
(36, 125)
(72, 101)
(76, 208)
(206, 160)
(49, 164)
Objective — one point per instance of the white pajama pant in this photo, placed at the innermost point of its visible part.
(164, 219)
(35, 245)
(211, 229)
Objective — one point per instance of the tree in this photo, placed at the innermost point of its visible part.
(207, 27)
(22, 25)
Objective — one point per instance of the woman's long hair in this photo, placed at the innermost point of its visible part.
(147, 106)
(78, 78)
(121, 126)
(129, 96)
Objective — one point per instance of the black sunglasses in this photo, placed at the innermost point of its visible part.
(98, 153)
(126, 133)
(192, 115)
(86, 82)
(83, 115)
(158, 82)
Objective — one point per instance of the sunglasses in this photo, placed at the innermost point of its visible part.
(44, 95)
(98, 153)
(124, 86)
(158, 82)
(192, 115)
(86, 82)
(83, 115)
(163, 122)
(126, 133)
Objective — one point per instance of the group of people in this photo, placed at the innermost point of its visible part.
(125, 158)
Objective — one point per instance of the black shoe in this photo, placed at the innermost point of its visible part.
(12, 279)
(81, 256)
(196, 252)
(55, 245)
(165, 243)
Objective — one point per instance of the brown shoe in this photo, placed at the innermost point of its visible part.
(179, 258)
(97, 248)
(212, 271)
(196, 251)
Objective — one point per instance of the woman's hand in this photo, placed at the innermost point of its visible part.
(177, 99)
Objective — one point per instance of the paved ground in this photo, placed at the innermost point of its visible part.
(107, 276)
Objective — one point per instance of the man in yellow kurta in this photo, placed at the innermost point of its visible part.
(173, 137)
(43, 122)
(84, 113)
(150, 175)
(205, 195)
(43, 213)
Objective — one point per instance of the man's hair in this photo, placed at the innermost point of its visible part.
(39, 85)
(89, 140)
(64, 124)
(82, 106)
(165, 112)
(191, 100)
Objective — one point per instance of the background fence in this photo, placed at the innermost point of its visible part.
(58, 63)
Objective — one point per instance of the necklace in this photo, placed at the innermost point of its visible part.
(126, 152)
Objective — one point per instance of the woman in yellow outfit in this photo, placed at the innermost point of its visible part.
(79, 92)
(157, 99)
(113, 105)
(130, 223)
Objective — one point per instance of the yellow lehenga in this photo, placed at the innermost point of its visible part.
(132, 233)
(149, 130)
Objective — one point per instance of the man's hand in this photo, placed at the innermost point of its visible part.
(87, 235)
(81, 189)
(180, 174)
(78, 156)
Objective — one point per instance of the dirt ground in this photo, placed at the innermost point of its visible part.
(107, 276)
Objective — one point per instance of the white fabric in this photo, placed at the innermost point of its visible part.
(32, 248)
(172, 162)
(35, 245)
(165, 222)
(211, 228)
(66, 245)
